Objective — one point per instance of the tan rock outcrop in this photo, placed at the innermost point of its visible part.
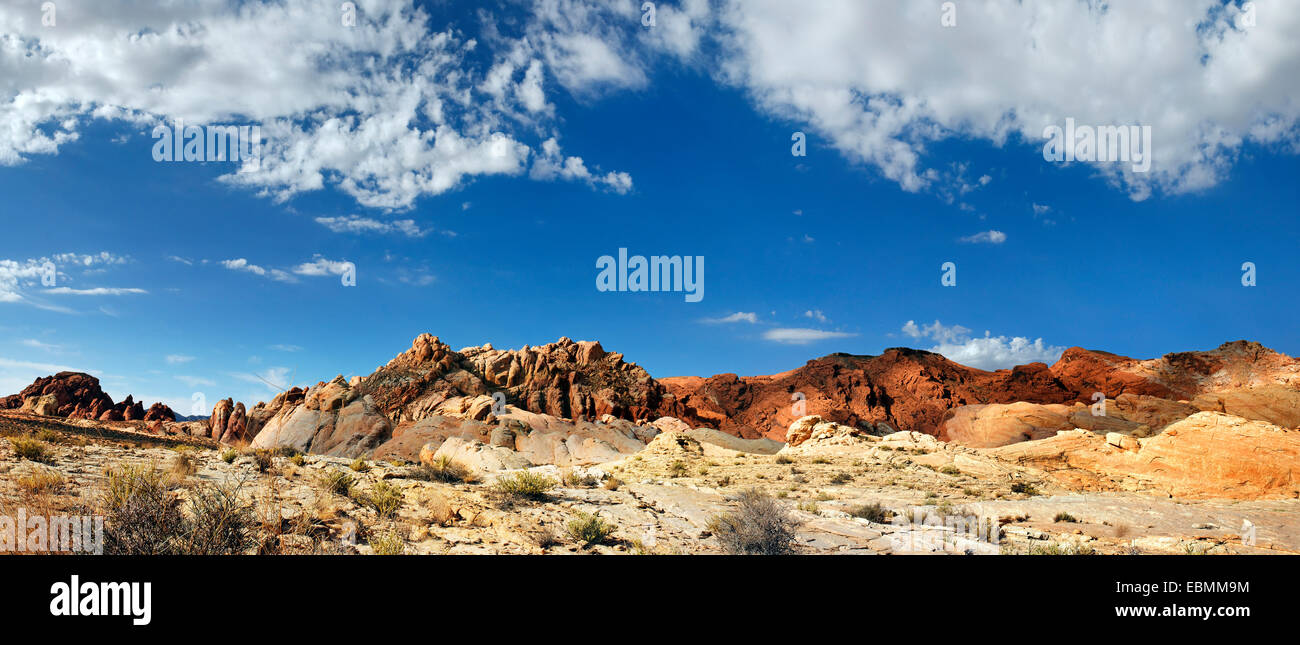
(1207, 455)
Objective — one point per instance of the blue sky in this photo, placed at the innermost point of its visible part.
(179, 278)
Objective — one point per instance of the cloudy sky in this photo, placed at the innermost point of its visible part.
(468, 163)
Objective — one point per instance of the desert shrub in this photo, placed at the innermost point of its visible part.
(873, 512)
(220, 522)
(298, 459)
(613, 483)
(1054, 548)
(40, 481)
(523, 485)
(782, 460)
(841, 478)
(49, 436)
(359, 465)
(184, 464)
(760, 526)
(950, 470)
(263, 459)
(389, 543)
(385, 498)
(142, 516)
(545, 538)
(1024, 488)
(443, 469)
(1064, 517)
(821, 460)
(589, 529)
(570, 478)
(229, 455)
(678, 469)
(336, 482)
(32, 450)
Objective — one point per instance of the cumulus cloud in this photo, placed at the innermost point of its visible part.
(801, 336)
(19, 279)
(986, 237)
(387, 111)
(986, 353)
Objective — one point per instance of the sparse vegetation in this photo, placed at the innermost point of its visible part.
(613, 483)
(782, 460)
(142, 516)
(32, 450)
(523, 485)
(40, 481)
(221, 523)
(229, 455)
(184, 464)
(336, 482)
(841, 478)
(298, 460)
(389, 543)
(678, 469)
(572, 479)
(1064, 517)
(384, 497)
(760, 526)
(590, 529)
(872, 512)
(1024, 488)
(444, 470)
(263, 459)
(359, 465)
(950, 470)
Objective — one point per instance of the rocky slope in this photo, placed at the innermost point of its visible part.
(78, 396)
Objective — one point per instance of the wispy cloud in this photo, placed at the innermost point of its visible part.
(285, 348)
(357, 224)
(987, 237)
(96, 291)
(802, 336)
(740, 316)
(178, 359)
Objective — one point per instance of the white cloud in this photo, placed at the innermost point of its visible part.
(419, 118)
(740, 316)
(851, 73)
(285, 348)
(551, 164)
(801, 336)
(97, 291)
(358, 224)
(193, 381)
(16, 375)
(36, 344)
(816, 314)
(323, 267)
(241, 264)
(177, 359)
(987, 237)
(987, 353)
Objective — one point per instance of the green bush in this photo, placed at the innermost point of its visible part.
(589, 529)
(32, 450)
(524, 485)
